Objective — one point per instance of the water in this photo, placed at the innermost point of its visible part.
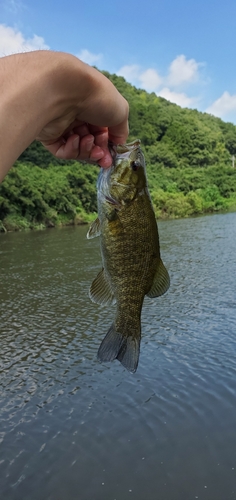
(72, 428)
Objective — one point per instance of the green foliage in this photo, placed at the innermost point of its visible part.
(31, 196)
(189, 166)
(161, 154)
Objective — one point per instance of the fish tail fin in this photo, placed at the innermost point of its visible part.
(126, 349)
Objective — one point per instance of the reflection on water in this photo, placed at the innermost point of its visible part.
(72, 428)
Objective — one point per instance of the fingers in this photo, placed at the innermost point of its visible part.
(81, 148)
(101, 136)
(88, 143)
(107, 107)
(64, 149)
(119, 134)
(91, 112)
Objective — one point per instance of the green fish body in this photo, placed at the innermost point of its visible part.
(132, 266)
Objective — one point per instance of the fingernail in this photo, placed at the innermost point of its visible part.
(76, 142)
(106, 161)
(97, 153)
(89, 144)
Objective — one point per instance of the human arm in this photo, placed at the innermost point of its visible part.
(69, 106)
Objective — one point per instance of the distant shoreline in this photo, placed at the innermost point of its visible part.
(24, 225)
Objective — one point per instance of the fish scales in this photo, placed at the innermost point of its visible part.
(132, 266)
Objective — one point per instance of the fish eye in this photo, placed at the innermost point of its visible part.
(135, 165)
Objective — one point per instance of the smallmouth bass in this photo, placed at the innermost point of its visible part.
(132, 266)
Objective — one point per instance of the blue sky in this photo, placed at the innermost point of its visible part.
(183, 50)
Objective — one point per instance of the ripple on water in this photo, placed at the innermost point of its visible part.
(73, 428)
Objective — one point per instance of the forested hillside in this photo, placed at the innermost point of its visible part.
(189, 166)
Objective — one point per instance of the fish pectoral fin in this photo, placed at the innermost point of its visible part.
(118, 346)
(161, 281)
(101, 291)
(94, 229)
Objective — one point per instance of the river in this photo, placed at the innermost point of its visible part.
(72, 428)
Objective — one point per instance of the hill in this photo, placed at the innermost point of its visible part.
(189, 166)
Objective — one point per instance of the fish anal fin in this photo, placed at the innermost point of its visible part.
(101, 291)
(124, 348)
(161, 281)
(94, 229)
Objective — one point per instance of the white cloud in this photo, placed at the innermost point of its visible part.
(150, 80)
(179, 98)
(13, 41)
(89, 57)
(130, 73)
(223, 106)
(182, 71)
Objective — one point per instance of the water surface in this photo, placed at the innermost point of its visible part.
(72, 428)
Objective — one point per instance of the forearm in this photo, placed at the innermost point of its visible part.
(43, 93)
(24, 104)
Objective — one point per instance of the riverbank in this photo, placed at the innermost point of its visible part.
(16, 222)
(178, 209)
(32, 197)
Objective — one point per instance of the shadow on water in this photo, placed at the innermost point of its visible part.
(73, 428)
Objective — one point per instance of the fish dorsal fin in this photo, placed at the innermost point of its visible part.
(161, 281)
(101, 291)
(94, 229)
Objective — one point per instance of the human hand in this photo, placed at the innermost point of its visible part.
(84, 142)
(82, 132)
(72, 108)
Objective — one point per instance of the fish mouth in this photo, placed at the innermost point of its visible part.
(121, 151)
(118, 153)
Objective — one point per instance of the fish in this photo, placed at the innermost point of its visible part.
(131, 263)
